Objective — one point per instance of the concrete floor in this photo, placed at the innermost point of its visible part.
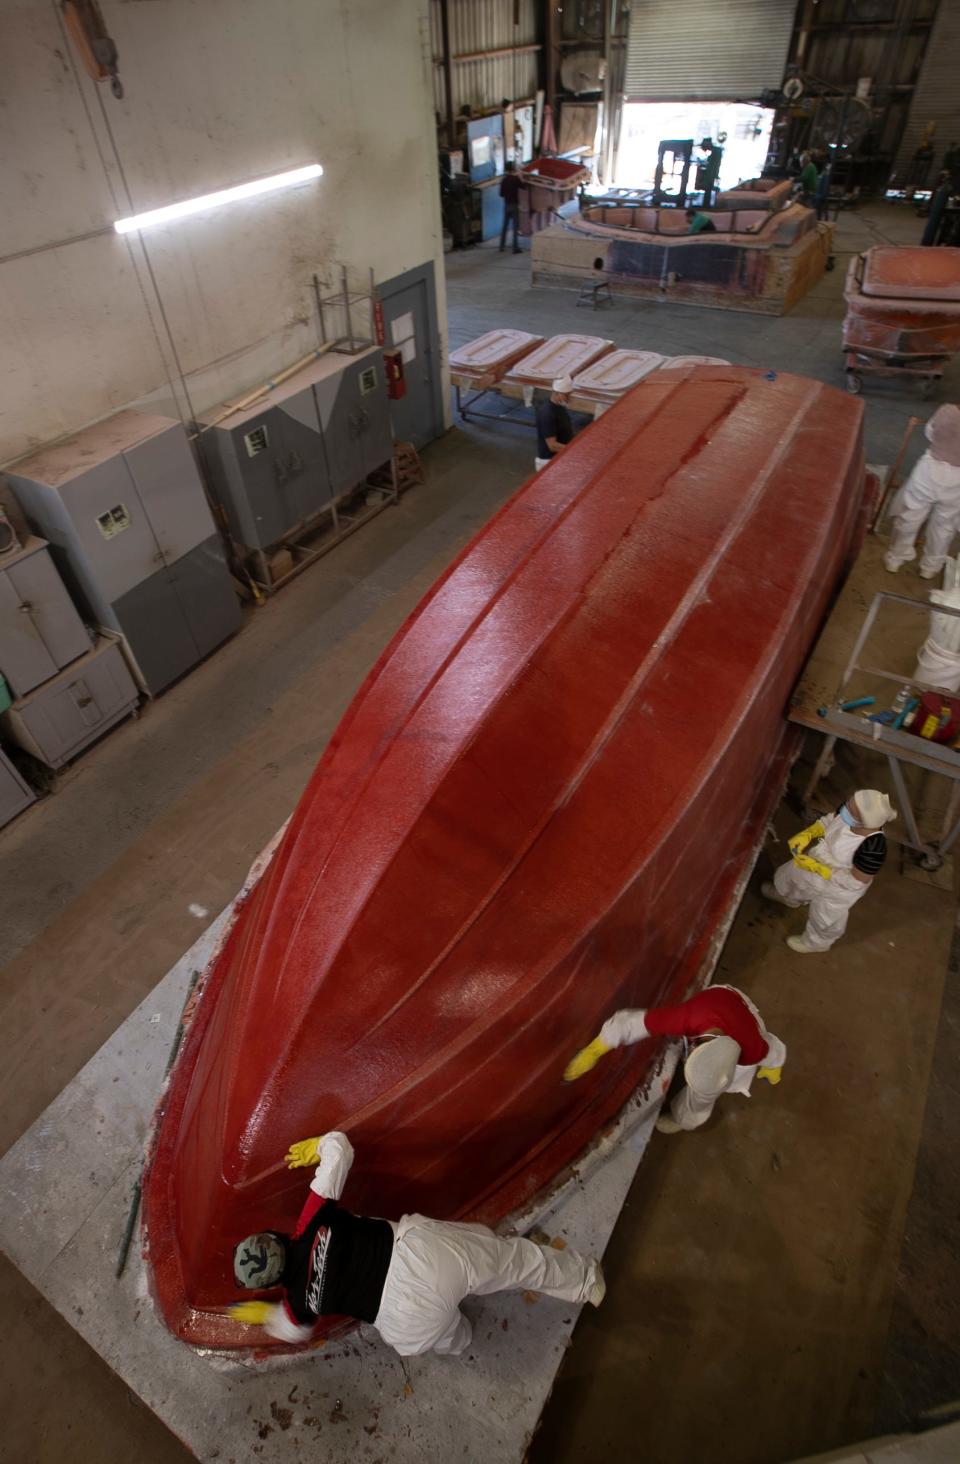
(759, 1265)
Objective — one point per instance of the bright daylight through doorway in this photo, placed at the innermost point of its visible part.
(645, 124)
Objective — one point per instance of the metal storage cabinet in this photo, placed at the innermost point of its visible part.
(60, 718)
(354, 415)
(40, 629)
(124, 510)
(267, 466)
(279, 464)
(15, 793)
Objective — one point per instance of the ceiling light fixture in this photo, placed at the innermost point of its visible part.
(214, 200)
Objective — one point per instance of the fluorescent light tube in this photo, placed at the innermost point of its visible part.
(214, 200)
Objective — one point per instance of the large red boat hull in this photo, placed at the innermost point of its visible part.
(536, 810)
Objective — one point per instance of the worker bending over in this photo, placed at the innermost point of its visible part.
(832, 866)
(407, 1277)
(931, 496)
(699, 223)
(726, 1046)
(554, 427)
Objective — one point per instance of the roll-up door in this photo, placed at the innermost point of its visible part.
(706, 50)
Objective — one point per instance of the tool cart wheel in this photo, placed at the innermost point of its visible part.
(854, 383)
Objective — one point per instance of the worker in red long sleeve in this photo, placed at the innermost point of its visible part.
(726, 1046)
(407, 1277)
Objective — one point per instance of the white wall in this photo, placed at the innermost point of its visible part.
(216, 92)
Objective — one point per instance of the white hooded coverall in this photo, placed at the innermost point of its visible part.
(706, 1081)
(435, 1264)
(829, 900)
(931, 496)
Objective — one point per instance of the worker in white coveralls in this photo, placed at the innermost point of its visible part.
(832, 866)
(931, 496)
(726, 1046)
(407, 1277)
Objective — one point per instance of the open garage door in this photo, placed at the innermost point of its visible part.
(695, 50)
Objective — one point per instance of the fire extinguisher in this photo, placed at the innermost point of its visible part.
(393, 365)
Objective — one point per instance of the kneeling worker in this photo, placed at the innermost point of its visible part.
(554, 428)
(407, 1277)
(699, 222)
(727, 1046)
(832, 866)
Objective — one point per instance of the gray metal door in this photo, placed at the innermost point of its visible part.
(112, 527)
(205, 594)
(353, 411)
(155, 624)
(302, 462)
(279, 475)
(170, 490)
(40, 630)
(406, 319)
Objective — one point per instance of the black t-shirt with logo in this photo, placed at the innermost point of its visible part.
(337, 1265)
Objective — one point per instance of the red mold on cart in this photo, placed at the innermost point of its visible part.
(903, 313)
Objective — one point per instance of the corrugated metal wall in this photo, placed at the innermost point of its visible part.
(486, 25)
(936, 97)
(704, 50)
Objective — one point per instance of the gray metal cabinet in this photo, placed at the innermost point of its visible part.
(124, 509)
(355, 419)
(15, 793)
(64, 715)
(40, 629)
(281, 463)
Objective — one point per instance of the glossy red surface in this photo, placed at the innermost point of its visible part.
(535, 810)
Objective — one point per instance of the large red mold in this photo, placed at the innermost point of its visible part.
(537, 809)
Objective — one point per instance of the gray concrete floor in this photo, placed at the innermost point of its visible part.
(758, 1266)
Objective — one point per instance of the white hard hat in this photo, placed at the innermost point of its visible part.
(874, 808)
(710, 1066)
(562, 385)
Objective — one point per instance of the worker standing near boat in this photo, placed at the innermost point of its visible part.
(726, 1047)
(807, 182)
(554, 427)
(931, 496)
(833, 864)
(406, 1278)
(709, 170)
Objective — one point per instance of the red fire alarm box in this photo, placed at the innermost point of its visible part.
(393, 365)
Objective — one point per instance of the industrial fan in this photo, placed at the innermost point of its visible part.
(840, 123)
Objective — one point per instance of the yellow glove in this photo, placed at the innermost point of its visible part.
(772, 1075)
(799, 842)
(586, 1059)
(255, 1313)
(807, 861)
(303, 1154)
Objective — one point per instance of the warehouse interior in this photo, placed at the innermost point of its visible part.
(250, 450)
